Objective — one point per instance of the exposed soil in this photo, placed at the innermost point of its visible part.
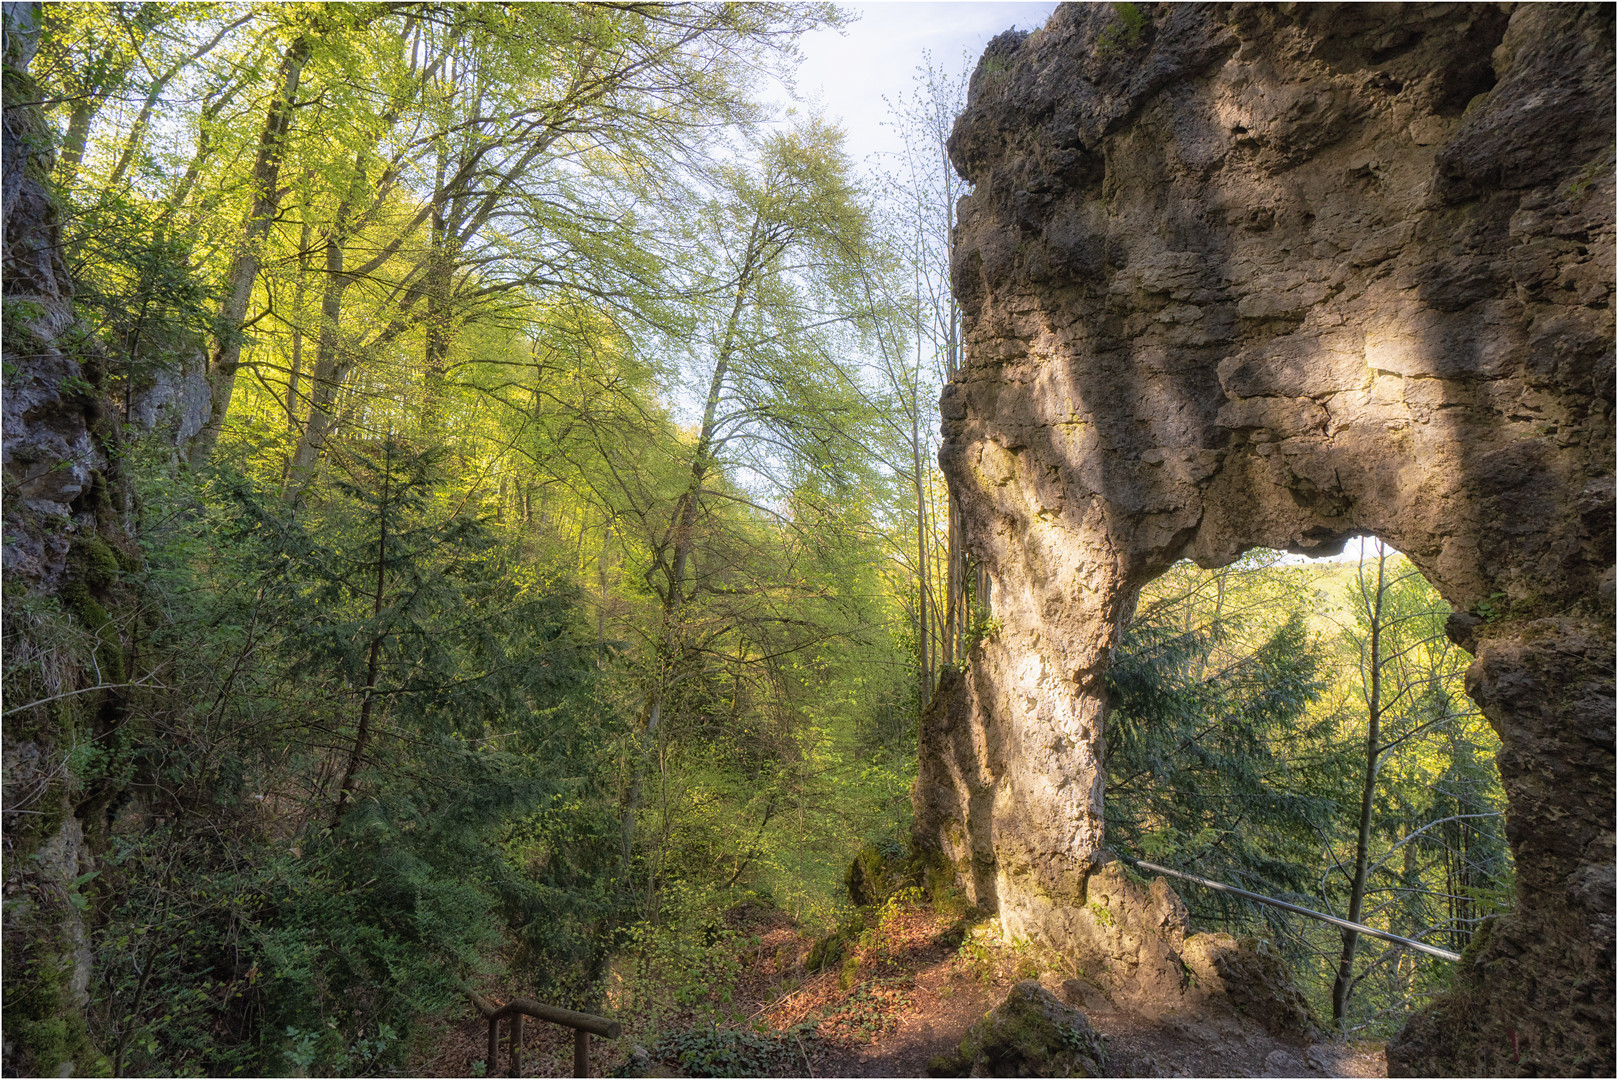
(916, 992)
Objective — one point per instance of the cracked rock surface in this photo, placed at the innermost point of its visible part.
(1276, 276)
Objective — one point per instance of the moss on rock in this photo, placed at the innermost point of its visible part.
(877, 871)
(1030, 1033)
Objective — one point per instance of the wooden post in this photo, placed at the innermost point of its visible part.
(492, 1061)
(581, 1052)
(516, 1044)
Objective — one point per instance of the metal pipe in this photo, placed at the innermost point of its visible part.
(1431, 950)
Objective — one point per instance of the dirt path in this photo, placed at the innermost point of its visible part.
(916, 993)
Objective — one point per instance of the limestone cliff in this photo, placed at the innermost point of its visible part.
(1240, 276)
(67, 543)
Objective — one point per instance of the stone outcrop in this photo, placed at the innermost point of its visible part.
(1134, 938)
(1240, 276)
(55, 420)
(1252, 980)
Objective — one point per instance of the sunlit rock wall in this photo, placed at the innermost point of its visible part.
(1238, 276)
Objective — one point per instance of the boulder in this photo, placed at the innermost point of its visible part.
(1030, 1033)
(1252, 978)
(877, 871)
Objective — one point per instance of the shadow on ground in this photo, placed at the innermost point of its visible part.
(917, 988)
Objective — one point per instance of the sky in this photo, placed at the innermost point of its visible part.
(848, 72)
(1356, 548)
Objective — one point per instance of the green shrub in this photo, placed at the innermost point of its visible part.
(715, 1051)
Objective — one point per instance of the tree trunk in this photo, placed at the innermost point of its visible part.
(326, 380)
(1343, 984)
(294, 406)
(362, 733)
(244, 267)
(116, 64)
(923, 584)
(77, 137)
(137, 130)
(436, 283)
(601, 608)
(680, 536)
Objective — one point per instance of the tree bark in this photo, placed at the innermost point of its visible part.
(923, 582)
(326, 379)
(362, 733)
(244, 267)
(1343, 984)
(436, 283)
(681, 531)
(293, 404)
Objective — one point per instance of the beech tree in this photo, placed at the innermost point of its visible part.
(782, 396)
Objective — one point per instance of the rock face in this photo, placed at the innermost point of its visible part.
(66, 543)
(56, 424)
(1244, 276)
(1135, 939)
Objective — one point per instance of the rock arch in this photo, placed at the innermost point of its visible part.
(1241, 276)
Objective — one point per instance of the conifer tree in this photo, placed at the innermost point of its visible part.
(1210, 691)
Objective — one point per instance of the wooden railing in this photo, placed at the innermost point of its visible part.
(583, 1024)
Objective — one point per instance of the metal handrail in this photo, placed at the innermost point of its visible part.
(583, 1024)
(1431, 950)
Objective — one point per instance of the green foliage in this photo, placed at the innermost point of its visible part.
(1125, 32)
(44, 1031)
(1237, 749)
(685, 961)
(1210, 696)
(1434, 859)
(877, 872)
(138, 289)
(977, 953)
(718, 1051)
(834, 948)
(1492, 608)
(395, 649)
(250, 926)
(1587, 176)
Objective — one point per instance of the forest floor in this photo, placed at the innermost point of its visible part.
(920, 984)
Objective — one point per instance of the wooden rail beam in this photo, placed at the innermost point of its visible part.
(583, 1024)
